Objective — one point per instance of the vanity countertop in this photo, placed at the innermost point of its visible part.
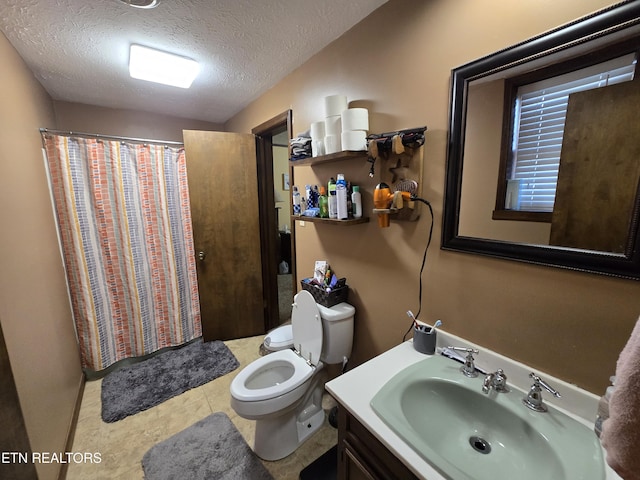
(355, 389)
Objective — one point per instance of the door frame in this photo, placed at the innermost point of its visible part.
(267, 213)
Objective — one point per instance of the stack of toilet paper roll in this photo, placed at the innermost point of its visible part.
(344, 128)
(317, 138)
(355, 124)
(334, 105)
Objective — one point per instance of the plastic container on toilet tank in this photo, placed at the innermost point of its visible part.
(337, 332)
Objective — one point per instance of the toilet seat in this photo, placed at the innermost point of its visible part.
(283, 371)
(295, 371)
(279, 338)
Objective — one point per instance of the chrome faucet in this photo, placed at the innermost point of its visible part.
(469, 367)
(533, 400)
(497, 381)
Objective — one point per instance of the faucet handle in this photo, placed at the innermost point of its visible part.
(464, 349)
(533, 400)
(538, 381)
(469, 367)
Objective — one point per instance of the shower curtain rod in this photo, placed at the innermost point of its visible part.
(111, 137)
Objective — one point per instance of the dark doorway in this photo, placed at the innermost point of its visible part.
(277, 241)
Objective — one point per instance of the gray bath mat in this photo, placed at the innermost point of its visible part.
(210, 449)
(139, 387)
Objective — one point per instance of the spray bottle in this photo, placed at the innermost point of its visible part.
(341, 197)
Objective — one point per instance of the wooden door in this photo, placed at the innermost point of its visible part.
(223, 190)
(13, 435)
(599, 171)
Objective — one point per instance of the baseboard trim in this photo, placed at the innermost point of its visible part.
(62, 475)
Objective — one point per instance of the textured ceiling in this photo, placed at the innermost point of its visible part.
(79, 49)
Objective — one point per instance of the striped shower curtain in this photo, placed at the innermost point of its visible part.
(125, 227)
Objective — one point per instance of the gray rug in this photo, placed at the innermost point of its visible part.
(208, 450)
(139, 387)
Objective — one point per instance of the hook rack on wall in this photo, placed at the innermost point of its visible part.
(400, 164)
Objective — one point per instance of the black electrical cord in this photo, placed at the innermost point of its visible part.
(424, 260)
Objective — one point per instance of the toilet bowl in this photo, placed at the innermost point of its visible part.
(270, 383)
(283, 391)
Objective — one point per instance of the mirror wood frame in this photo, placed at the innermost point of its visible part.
(612, 19)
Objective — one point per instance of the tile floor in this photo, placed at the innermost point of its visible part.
(122, 444)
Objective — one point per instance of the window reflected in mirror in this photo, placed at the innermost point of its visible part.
(517, 122)
(539, 115)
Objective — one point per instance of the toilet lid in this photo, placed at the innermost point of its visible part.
(307, 327)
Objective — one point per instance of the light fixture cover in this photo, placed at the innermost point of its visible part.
(162, 67)
(141, 3)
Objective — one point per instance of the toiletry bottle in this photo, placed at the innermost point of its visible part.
(323, 203)
(356, 202)
(315, 194)
(296, 201)
(341, 197)
(603, 407)
(309, 194)
(333, 206)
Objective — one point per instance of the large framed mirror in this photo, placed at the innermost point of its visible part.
(584, 215)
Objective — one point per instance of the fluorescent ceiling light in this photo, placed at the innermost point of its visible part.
(161, 67)
(141, 3)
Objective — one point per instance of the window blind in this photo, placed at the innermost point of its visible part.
(540, 114)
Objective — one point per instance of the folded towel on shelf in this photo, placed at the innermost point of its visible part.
(300, 147)
(621, 431)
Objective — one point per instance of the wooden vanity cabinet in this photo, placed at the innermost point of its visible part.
(362, 456)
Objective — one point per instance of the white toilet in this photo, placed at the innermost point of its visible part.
(283, 391)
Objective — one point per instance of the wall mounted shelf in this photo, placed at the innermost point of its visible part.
(332, 157)
(331, 221)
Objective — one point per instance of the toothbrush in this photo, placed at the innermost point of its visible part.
(436, 325)
(411, 316)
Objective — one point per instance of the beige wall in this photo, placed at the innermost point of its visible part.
(397, 62)
(34, 308)
(78, 117)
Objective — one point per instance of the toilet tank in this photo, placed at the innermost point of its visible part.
(337, 332)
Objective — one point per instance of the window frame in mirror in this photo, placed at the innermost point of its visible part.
(602, 55)
(615, 18)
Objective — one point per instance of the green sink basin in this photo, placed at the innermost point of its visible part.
(467, 434)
